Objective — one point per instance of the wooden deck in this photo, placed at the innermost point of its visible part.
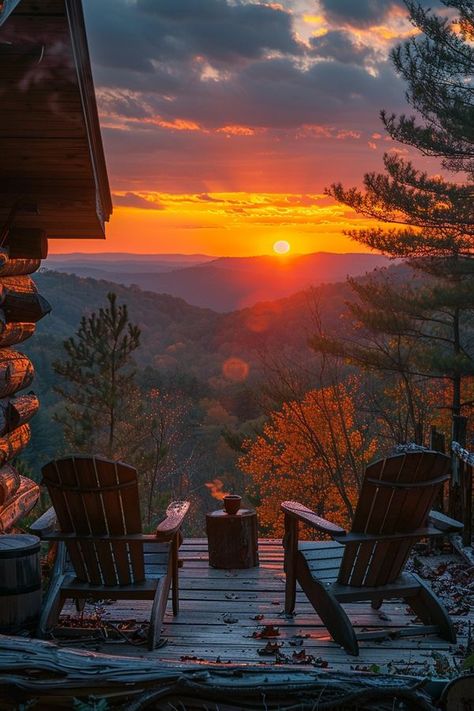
(222, 615)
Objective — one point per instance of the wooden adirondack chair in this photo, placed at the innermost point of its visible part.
(393, 512)
(102, 552)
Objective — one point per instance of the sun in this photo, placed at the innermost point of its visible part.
(281, 247)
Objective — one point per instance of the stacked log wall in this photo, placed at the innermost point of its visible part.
(21, 307)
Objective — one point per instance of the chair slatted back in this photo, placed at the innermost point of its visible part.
(396, 496)
(96, 496)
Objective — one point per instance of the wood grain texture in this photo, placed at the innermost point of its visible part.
(232, 539)
(16, 372)
(13, 333)
(49, 130)
(47, 672)
(15, 267)
(305, 515)
(13, 443)
(391, 515)
(18, 505)
(221, 611)
(9, 482)
(96, 503)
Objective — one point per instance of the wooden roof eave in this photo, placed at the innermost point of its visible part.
(77, 28)
(50, 140)
(6, 8)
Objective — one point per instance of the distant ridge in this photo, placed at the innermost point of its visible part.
(131, 256)
(223, 283)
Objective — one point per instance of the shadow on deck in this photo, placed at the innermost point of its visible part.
(222, 614)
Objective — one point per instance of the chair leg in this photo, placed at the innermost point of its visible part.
(290, 590)
(328, 608)
(51, 608)
(429, 609)
(290, 545)
(80, 603)
(376, 603)
(175, 574)
(158, 611)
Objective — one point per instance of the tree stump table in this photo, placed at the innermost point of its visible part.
(232, 539)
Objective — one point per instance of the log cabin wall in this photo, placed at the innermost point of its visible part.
(53, 184)
(21, 307)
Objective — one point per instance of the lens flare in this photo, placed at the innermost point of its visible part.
(235, 369)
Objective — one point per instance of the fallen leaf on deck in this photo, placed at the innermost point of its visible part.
(232, 596)
(303, 658)
(267, 632)
(257, 617)
(230, 619)
(269, 649)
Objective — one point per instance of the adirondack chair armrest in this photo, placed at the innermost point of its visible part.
(175, 515)
(444, 523)
(45, 524)
(302, 513)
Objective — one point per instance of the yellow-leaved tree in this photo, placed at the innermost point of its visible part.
(313, 451)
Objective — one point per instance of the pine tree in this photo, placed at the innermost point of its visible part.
(423, 328)
(432, 314)
(98, 378)
(438, 66)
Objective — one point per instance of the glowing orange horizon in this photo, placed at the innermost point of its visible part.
(223, 224)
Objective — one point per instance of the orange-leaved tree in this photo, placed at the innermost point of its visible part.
(313, 450)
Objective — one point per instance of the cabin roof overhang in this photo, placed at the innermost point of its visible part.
(53, 174)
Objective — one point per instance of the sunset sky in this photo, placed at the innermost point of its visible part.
(223, 120)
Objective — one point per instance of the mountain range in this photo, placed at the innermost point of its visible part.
(223, 284)
(215, 358)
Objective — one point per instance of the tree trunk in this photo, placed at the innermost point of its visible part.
(232, 539)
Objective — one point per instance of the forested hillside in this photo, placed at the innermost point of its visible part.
(215, 373)
(212, 360)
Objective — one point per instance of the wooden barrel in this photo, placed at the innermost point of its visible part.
(20, 582)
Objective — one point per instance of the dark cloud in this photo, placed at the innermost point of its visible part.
(364, 13)
(146, 63)
(130, 199)
(278, 93)
(165, 66)
(339, 45)
(358, 13)
(137, 35)
(221, 30)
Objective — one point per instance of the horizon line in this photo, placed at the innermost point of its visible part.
(210, 256)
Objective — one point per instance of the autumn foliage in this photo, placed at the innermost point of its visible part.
(314, 451)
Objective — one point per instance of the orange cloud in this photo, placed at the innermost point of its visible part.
(236, 130)
(232, 223)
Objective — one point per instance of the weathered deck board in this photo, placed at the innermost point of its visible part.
(217, 620)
